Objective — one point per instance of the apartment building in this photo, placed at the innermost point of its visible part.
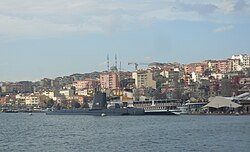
(234, 65)
(223, 66)
(67, 93)
(144, 78)
(52, 94)
(244, 59)
(109, 80)
(219, 66)
(85, 84)
(194, 67)
(32, 101)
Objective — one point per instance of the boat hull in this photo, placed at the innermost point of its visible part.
(98, 112)
(161, 112)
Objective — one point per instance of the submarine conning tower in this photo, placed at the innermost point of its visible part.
(99, 101)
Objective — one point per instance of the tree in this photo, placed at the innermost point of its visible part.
(85, 105)
(64, 104)
(50, 103)
(177, 93)
(44, 101)
(75, 104)
(226, 88)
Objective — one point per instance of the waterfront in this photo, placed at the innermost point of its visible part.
(39, 132)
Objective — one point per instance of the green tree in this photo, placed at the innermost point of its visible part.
(75, 104)
(85, 105)
(50, 103)
(226, 87)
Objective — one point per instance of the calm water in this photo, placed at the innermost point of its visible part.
(21, 132)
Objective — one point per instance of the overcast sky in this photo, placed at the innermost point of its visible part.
(50, 38)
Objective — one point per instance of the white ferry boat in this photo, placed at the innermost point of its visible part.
(159, 107)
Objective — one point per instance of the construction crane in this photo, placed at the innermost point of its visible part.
(136, 64)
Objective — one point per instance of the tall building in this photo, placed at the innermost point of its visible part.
(218, 66)
(193, 67)
(244, 59)
(213, 65)
(109, 80)
(223, 66)
(144, 78)
(234, 65)
(32, 100)
(85, 84)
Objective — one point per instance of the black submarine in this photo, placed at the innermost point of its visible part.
(99, 108)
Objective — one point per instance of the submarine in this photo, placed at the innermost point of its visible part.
(99, 108)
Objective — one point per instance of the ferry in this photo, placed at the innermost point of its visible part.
(159, 107)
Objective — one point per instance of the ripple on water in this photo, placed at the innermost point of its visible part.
(20, 132)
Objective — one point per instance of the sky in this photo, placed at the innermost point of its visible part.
(51, 38)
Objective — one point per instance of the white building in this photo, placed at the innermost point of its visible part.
(218, 75)
(165, 73)
(29, 100)
(21, 99)
(234, 65)
(194, 77)
(32, 100)
(244, 59)
(67, 93)
(52, 94)
(85, 92)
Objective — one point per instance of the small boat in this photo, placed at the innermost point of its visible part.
(237, 114)
(10, 111)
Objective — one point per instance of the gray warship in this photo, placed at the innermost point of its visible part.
(99, 108)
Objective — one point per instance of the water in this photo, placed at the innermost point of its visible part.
(39, 132)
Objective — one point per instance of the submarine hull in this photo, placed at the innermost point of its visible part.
(98, 112)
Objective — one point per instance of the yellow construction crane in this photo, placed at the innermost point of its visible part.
(136, 64)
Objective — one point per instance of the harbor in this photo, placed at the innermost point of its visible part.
(137, 133)
(101, 107)
(124, 76)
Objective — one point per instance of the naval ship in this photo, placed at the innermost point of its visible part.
(99, 108)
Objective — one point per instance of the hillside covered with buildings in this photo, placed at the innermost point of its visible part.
(227, 77)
